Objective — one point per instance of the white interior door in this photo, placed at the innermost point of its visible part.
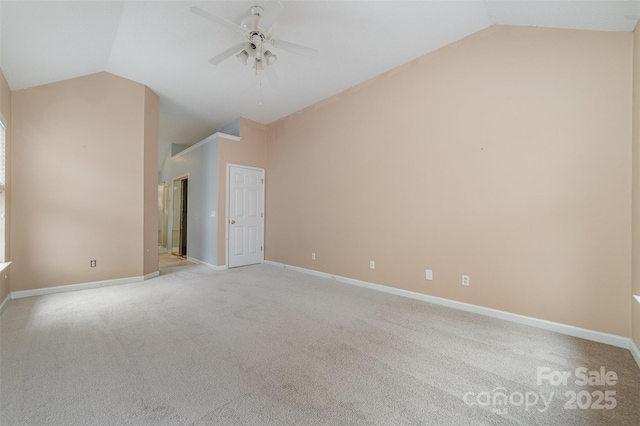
(245, 216)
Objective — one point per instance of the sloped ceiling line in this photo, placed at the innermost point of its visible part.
(163, 45)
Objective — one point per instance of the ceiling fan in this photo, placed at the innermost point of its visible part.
(256, 29)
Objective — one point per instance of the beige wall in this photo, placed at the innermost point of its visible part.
(150, 218)
(636, 184)
(78, 148)
(504, 156)
(5, 109)
(249, 151)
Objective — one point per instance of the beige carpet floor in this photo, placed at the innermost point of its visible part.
(267, 346)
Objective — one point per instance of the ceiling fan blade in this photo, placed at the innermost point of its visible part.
(272, 11)
(216, 19)
(226, 54)
(294, 48)
(272, 75)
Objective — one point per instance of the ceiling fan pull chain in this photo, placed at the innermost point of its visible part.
(260, 104)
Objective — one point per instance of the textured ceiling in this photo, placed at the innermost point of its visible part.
(164, 46)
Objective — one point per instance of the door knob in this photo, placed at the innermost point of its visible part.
(232, 221)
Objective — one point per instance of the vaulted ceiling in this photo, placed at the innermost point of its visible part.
(166, 47)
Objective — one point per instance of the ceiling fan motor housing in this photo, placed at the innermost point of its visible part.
(254, 46)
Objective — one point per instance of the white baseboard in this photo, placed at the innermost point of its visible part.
(162, 250)
(151, 275)
(208, 265)
(5, 302)
(74, 287)
(635, 352)
(596, 336)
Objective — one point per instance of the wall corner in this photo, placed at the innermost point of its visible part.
(150, 164)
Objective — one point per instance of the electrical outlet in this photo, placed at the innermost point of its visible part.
(465, 280)
(372, 264)
(429, 275)
(93, 263)
(313, 256)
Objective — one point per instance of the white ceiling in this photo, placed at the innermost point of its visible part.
(164, 46)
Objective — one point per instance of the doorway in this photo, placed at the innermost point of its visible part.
(245, 215)
(163, 216)
(179, 222)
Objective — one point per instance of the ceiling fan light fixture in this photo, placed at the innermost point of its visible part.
(252, 49)
(258, 65)
(270, 57)
(243, 56)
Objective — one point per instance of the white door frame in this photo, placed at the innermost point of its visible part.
(226, 213)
